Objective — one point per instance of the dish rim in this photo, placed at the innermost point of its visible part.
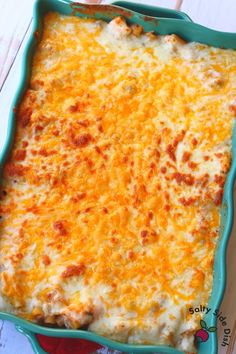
(227, 209)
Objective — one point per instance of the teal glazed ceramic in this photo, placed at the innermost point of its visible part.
(161, 21)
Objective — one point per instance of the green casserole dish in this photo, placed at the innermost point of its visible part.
(162, 21)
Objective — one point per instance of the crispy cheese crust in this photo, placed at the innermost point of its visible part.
(110, 201)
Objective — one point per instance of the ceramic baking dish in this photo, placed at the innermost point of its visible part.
(162, 21)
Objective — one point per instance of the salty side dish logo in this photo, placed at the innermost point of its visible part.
(202, 335)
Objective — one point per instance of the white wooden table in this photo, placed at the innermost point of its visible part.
(15, 20)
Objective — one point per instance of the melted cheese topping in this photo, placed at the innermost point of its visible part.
(110, 200)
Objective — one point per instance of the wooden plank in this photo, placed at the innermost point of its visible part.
(11, 341)
(216, 14)
(161, 3)
(8, 91)
(14, 22)
(228, 307)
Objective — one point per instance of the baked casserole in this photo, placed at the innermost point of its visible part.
(110, 200)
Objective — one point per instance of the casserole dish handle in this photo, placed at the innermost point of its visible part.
(153, 11)
(32, 339)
